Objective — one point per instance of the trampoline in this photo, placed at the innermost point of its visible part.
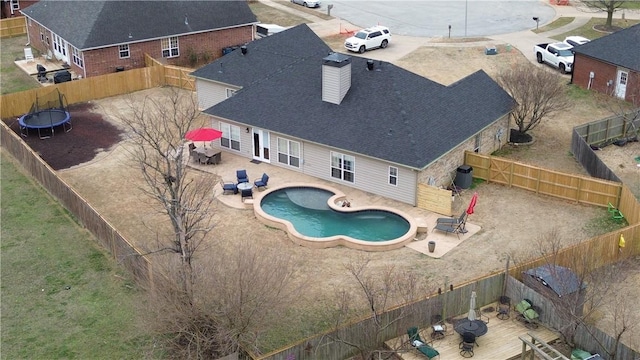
(47, 113)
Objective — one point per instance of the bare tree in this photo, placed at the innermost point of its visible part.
(379, 291)
(539, 94)
(608, 6)
(157, 127)
(619, 316)
(249, 289)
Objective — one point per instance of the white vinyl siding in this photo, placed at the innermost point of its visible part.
(372, 175)
(211, 93)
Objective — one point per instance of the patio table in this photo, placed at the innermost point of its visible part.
(476, 327)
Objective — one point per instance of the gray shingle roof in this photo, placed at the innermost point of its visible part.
(388, 113)
(621, 48)
(95, 24)
(560, 279)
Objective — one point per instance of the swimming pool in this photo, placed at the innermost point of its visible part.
(313, 217)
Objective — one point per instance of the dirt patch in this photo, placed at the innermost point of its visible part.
(91, 134)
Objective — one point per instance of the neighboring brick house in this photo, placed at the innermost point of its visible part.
(99, 37)
(286, 99)
(610, 64)
(11, 8)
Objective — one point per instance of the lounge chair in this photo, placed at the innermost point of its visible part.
(453, 228)
(262, 182)
(450, 220)
(241, 175)
(420, 345)
(228, 186)
(528, 314)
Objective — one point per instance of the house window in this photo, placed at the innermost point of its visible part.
(289, 152)
(41, 35)
(393, 175)
(15, 5)
(230, 136)
(77, 57)
(342, 167)
(230, 93)
(478, 142)
(59, 45)
(123, 50)
(170, 47)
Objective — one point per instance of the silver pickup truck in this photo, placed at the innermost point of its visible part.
(558, 55)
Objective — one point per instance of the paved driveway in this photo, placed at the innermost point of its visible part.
(432, 18)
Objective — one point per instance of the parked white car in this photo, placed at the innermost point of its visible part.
(575, 40)
(307, 3)
(370, 38)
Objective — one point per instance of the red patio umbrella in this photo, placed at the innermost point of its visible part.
(203, 134)
(472, 204)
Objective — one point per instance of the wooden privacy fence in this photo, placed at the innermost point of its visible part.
(13, 27)
(591, 162)
(605, 131)
(582, 189)
(103, 86)
(108, 236)
(423, 313)
(175, 76)
(593, 253)
(77, 91)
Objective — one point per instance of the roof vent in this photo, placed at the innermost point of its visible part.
(186, 20)
(243, 48)
(370, 64)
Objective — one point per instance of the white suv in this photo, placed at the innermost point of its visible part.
(370, 38)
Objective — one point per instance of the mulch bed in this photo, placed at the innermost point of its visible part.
(90, 135)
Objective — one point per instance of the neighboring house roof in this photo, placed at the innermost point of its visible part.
(388, 113)
(560, 279)
(620, 48)
(95, 24)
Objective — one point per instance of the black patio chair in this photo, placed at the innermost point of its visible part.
(246, 194)
(504, 308)
(467, 344)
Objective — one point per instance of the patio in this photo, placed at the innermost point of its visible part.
(51, 65)
(426, 220)
(501, 341)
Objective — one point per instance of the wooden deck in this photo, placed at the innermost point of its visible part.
(500, 343)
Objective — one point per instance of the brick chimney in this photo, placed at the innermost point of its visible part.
(336, 77)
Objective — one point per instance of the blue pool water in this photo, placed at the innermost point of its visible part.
(307, 209)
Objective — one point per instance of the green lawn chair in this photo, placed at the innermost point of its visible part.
(420, 345)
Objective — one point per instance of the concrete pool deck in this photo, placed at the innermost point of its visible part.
(278, 176)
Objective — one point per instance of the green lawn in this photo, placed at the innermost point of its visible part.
(12, 78)
(63, 296)
(590, 33)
